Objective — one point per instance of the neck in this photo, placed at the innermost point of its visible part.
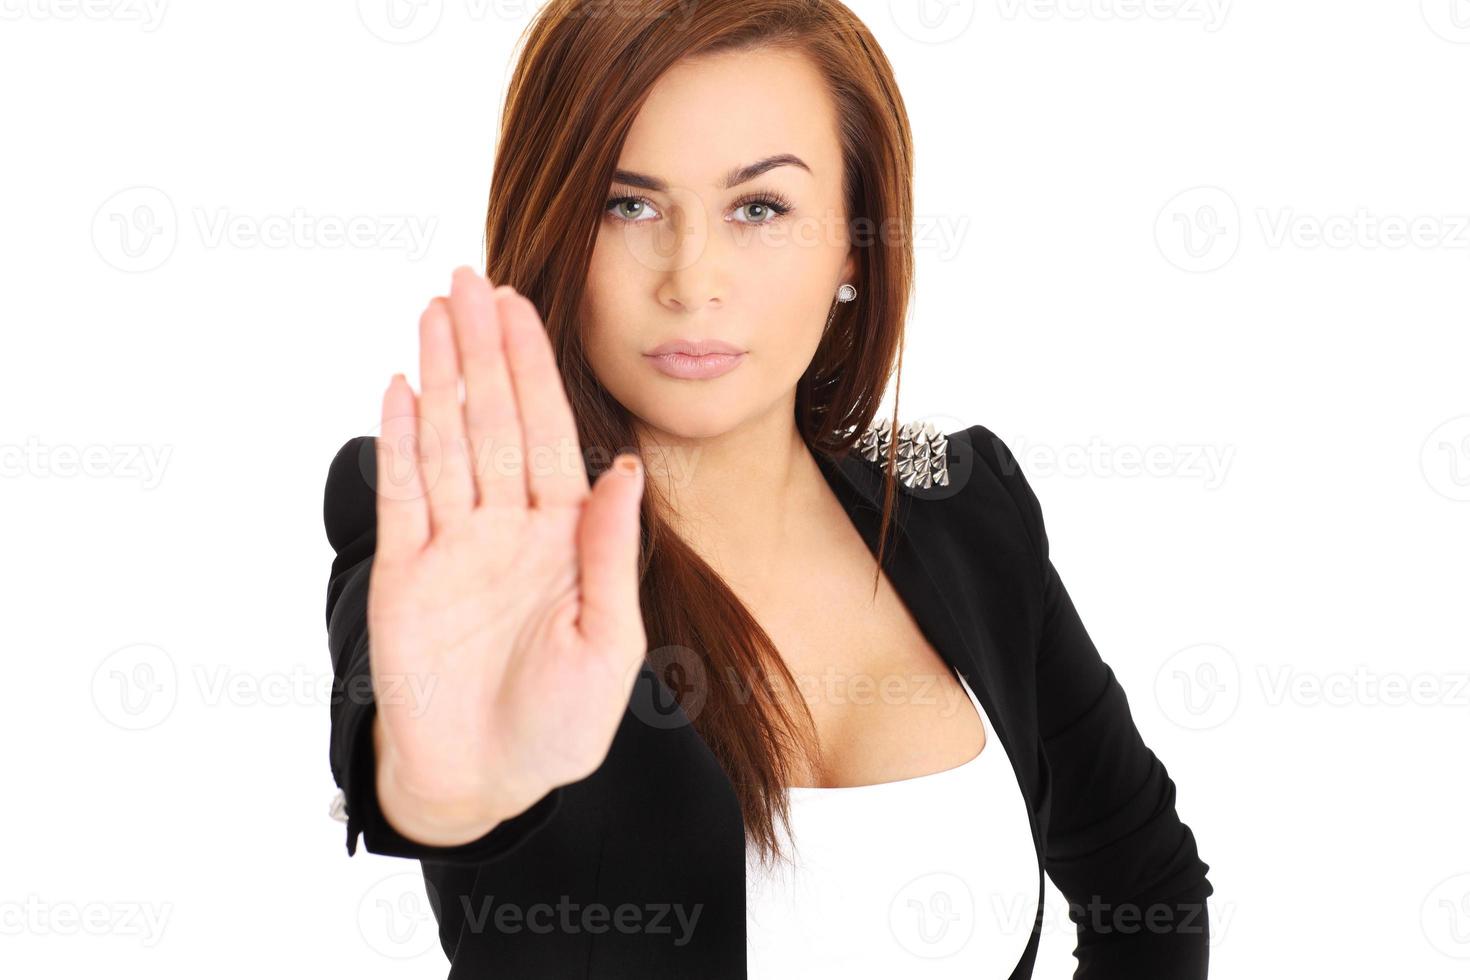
(739, 497)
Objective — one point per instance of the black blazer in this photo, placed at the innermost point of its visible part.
(592, 880)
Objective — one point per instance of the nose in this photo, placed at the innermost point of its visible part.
(688, 253)
(695, 279)
(688, 298)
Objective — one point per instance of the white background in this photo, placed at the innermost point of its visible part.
(1230, 238)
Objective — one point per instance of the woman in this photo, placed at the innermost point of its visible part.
(575, 618)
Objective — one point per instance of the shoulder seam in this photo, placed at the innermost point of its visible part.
(1007, 470)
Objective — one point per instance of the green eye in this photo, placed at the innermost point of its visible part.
(761, 208)
(766, 208)
(630, 209)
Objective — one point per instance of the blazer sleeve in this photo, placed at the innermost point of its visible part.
(350, 517)
(1115, 846)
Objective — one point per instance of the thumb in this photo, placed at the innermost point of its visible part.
(608, 541)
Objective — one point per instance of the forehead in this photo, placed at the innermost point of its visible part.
(711, 113)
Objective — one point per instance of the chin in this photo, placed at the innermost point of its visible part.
(695, 412)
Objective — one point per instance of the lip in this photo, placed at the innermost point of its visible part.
(696, 360)
(695, 367)
(695, 348)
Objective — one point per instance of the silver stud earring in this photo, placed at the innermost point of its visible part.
(846, 293)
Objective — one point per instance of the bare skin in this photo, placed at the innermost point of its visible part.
(496, 635)
(885, 705)
(746, 493)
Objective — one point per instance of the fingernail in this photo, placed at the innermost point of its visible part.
(628, 465)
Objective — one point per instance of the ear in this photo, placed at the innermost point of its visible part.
(849, 269)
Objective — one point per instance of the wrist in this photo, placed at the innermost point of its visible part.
(435, 819)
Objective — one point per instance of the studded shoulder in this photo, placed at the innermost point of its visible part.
(923, 452)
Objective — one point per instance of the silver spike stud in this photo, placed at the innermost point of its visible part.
(922, 452)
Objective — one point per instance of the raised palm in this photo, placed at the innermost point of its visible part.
(503, 608)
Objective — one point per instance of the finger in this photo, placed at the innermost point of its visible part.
(555, 471)
(491, 419)
(403, 513)
(608, 543)
(446, 464)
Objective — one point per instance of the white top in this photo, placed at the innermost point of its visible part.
(932, 876)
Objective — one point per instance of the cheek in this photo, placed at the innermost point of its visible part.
(602, 275)
(604, 301)
(793, 284)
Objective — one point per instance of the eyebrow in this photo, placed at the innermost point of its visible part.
(739, 175)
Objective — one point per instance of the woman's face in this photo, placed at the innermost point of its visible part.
(707, 253)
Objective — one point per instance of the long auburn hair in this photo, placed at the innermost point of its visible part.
(584, 70)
